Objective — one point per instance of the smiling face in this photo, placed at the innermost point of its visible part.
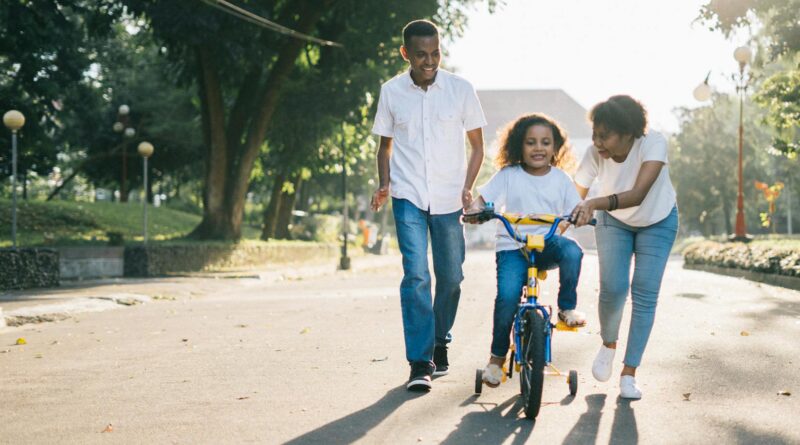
(611, 144)
(423, 54)
(538, 149)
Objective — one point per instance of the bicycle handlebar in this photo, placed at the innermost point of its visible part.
(507, 219)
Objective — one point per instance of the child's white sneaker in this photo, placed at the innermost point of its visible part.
(572, 318)
(628, 388)
(603, 364)
(492, 375)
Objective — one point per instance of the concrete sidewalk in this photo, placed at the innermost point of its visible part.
(18, 308)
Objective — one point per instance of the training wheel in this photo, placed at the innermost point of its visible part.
(478, 381)
(572, 381)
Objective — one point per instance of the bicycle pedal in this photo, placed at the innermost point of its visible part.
(561, 326)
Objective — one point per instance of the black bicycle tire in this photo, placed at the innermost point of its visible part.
(533, 363)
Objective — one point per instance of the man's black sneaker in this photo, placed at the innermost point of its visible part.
(440, 361)
(420, 379)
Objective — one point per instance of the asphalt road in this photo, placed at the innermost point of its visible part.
(319, 358)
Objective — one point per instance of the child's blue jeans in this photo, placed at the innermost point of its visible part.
(512, 274)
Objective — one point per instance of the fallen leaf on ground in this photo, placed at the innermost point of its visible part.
(184, 339)
(109, 429)
(380, 359)
(21, 341)
(305, 330)
(241, 325)
(38, 356)
(744, 333)
(686, 396)
(784, 393)
(243, 398)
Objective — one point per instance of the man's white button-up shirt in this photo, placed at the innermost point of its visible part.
(428, 164)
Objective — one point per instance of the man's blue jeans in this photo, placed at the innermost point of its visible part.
(617, 244)
(427, 321)
(512, 274)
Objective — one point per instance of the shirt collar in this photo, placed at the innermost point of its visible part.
(441, 79)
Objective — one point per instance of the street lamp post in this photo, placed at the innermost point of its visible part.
(121, 126)
(344, 261)
(743, 55)
(145, 149)
(14, 120)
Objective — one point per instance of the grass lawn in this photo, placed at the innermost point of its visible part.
(76, 223)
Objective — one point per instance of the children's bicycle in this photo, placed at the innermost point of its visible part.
(531, 352)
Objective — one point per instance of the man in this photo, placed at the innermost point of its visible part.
(421, 120)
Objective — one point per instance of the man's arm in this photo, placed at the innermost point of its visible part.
(381, 195)
(475, 138)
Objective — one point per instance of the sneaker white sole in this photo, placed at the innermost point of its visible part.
(419, 385)
(440, 373)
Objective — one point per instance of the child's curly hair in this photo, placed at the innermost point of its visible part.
(512, 137)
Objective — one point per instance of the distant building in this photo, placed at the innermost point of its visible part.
(504, 106)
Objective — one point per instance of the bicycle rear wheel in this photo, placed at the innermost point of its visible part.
(532, 373)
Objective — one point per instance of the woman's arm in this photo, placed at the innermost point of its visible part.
(647, 176)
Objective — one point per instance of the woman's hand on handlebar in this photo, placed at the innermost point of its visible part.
(582, 213)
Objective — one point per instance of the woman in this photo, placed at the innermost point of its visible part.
(637, 218)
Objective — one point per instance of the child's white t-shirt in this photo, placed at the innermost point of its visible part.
(618, 177)
(513, 190)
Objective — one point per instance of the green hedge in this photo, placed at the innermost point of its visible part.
(28, 268)
(770, 258)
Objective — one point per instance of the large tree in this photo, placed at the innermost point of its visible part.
(241, 70)
(45, 49)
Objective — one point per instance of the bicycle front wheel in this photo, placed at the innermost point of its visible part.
(532, 373)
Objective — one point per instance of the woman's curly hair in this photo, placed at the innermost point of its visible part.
(621, 114)
(513, 136)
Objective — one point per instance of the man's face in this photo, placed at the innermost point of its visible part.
(424, 55)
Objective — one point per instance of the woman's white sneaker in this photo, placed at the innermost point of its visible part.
(628, 388)
(603, 364)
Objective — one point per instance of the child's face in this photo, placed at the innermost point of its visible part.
(538, 148)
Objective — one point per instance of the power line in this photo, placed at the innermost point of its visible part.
(248, 16)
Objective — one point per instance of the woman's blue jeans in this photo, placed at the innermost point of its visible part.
(427, 321)
(512, 274)
(649, 247)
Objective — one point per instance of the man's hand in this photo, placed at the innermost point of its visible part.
(379, 198)
(466, 198)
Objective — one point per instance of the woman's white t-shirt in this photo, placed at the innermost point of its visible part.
(618, 177)
(513, 190)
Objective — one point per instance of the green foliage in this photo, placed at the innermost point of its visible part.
(777, 20)
(778, 25)
(703, 165)
(45, 48)
(780, 96)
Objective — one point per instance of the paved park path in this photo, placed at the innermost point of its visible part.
(316, 356)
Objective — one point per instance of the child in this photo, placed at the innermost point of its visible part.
(530, 182)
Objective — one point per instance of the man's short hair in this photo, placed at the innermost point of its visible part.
(419, 28)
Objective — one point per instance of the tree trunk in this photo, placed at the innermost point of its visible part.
(271, 212)
(285, 210)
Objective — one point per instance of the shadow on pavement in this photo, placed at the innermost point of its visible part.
(355, 426)
(624, 430)
(492, 426)
(585, 430)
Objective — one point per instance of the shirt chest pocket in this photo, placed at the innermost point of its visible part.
(448, 123)
(403, 128)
